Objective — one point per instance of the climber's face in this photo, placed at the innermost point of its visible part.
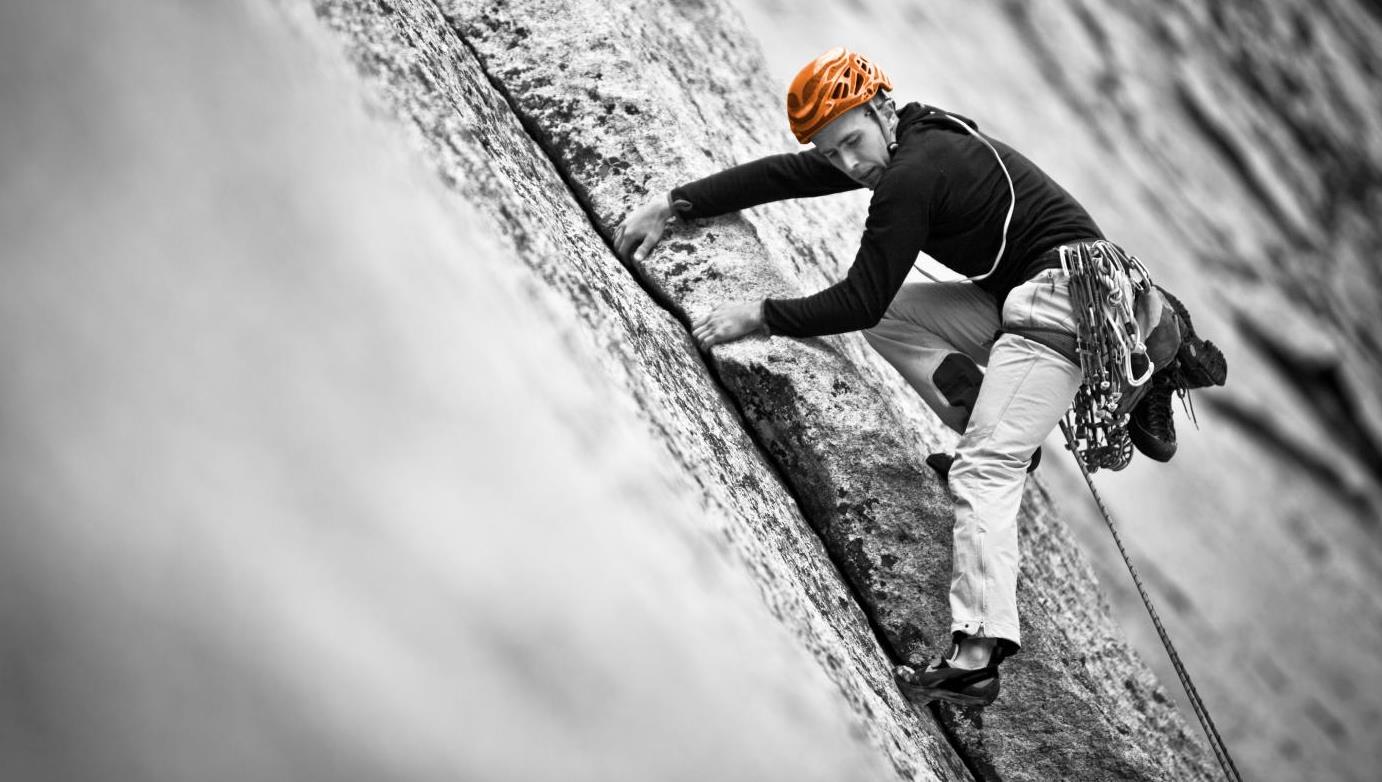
(857, 142)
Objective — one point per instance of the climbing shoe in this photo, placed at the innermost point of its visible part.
(941, 462)
(1199, 363)
(940, 682)
(1150, 426)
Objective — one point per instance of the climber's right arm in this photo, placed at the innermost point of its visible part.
(773, 178)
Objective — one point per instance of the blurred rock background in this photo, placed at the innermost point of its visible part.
(304, 477)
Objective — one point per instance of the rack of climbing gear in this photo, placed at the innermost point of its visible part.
(1105, 283)
(1216, 742)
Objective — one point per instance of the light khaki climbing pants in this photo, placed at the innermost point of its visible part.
(935, 334)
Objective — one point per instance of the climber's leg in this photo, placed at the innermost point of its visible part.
(1026, 391)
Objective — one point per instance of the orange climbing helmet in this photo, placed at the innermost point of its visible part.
(828, 86)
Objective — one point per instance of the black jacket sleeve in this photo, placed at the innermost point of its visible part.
(773, 178)
(898, 224)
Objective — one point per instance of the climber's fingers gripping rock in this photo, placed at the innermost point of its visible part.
(642, 229)
(727, 323)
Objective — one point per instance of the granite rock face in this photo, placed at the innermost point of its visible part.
(631, 100)
(306, 476)
(418, 69)
(344, 447)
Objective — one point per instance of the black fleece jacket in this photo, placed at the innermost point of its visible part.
(943, 193)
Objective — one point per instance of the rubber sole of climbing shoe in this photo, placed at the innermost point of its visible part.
(959, 686)
(1199, 362)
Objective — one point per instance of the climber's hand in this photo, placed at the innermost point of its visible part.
(642, 228)
(727, 323)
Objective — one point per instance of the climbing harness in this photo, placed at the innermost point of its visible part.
(1105, 283)
(1216, 742)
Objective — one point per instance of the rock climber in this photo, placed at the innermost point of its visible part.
(977, 206)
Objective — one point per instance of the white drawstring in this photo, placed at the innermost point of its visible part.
(890, 136)
(1012, 191)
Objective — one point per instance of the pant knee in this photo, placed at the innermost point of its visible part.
(958, 378)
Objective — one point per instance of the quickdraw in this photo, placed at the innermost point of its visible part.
(1105, 283)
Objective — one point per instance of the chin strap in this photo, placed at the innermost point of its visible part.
(888, 130)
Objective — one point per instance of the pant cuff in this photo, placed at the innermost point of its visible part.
(981, 629)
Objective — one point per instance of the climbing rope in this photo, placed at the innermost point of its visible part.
(1206, 722)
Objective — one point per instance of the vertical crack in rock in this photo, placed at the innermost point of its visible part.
(577, 192)
(649, 286)
(601, 94)
(654, 291)
(841, 426)
(422, 73)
